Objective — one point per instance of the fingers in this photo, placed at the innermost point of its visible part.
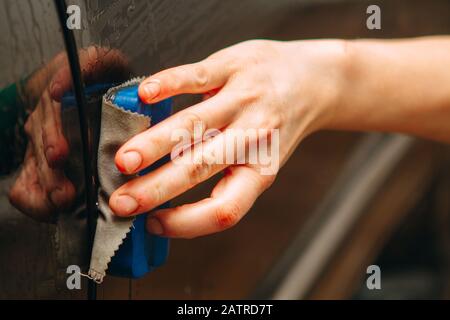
(61, 82)
(59, 191)
(147, 192)
(151, 145)
(42, 187)
(27, 195)
(62, 196)
(36, 199)
(229, 202)
(55, 146)
(200, 77)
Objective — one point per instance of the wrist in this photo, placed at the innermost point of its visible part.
(337, 90)
(323, 75)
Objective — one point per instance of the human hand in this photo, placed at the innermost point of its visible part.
(291, 87)
(41, 189)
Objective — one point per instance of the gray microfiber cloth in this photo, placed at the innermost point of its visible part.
(117, 126)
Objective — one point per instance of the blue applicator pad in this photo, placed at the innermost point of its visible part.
(140, 252)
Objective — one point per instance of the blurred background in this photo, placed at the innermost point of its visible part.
(343, 202)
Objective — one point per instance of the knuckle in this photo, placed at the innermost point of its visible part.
(227, 215)
(70, 192)
(200, 75)
(93, 54)
(28, 126)
(272, 122)
(249, 98)
(198, 172)
(263, 47)
(13, 196)
(267, 182)
(191, 120)
(151, 196)
(275, 121)
(258, 50)
(157, 193)
(267, 121)
(256, 43)
(253, 54)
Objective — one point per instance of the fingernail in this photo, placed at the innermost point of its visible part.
(125, 204)
(131, 161)
(154, 226)
(151, 89)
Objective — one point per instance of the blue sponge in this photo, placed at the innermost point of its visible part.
(140, 252)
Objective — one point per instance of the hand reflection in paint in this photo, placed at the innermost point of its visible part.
(41, 188)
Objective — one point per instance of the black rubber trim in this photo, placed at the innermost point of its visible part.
(87, 143)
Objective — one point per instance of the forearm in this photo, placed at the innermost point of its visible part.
(396, 86)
